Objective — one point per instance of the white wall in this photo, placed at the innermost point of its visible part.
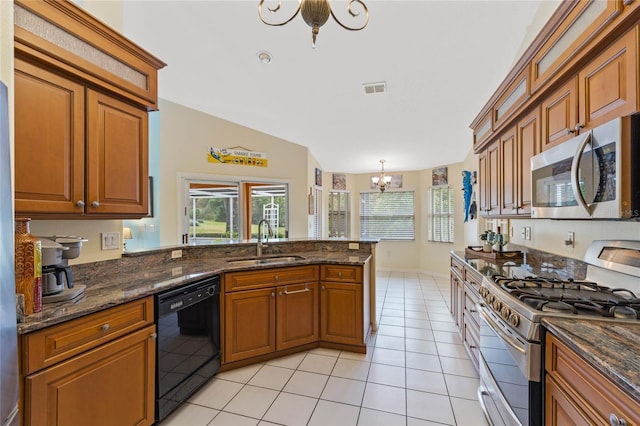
(185, 138)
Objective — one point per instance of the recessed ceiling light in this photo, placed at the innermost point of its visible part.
(264, 57)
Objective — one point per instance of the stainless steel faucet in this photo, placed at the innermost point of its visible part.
(269, 234)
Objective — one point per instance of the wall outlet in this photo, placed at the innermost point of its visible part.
(571, 239)
(523, 232)
(110, 240)
(354, 246)
(527, 233)
(176, 254)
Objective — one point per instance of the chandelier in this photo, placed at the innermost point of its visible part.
(383, 181)
(315, 13)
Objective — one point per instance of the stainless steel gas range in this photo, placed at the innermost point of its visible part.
(511, 310)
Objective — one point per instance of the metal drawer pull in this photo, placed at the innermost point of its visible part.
(153, 336)
(615, 421)
(481, 393)
(95, 204)
(304, 290)
(105, 327)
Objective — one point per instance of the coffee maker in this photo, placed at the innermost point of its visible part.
(57, 276)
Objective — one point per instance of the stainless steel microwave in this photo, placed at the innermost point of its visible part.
(595, 175)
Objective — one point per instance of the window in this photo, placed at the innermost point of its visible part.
(218, 211)
(440, 214)
(388, 215)
(339, 214)
(316, 231)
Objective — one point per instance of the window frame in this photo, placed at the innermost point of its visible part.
(343, 214)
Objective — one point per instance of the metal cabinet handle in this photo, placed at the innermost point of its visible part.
(304, 290)
(481, 393)
(615, 421)
(273, 294)
(276, 277)
(153, 336)
(95, 204)
(80, 203)
(105, 327)
(339, 274)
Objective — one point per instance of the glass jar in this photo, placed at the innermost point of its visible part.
(28, 266)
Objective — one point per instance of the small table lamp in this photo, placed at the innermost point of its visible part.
(126, 235)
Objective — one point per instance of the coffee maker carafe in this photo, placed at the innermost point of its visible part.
(57, 275)
(55, 278)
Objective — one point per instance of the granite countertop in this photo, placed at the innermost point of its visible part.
(611, 347)
(122, 286)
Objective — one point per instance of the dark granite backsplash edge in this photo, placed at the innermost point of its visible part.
(139, 260)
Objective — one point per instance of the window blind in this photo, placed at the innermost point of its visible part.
(388, 215)
(339, 214)
(440, 214)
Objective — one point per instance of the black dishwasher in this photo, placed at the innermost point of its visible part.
(188, 344)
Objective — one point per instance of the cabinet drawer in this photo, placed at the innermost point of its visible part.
(269, 277)
(458, 267)
(54, 344)
(341, 273)
(470, 311)
(585, 384)
(473, 279)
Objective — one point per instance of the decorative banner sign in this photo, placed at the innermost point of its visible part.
(237, 155)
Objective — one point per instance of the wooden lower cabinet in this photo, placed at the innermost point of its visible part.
(250, 323)
(297, 315)
(273, 310)
(577, 394)
(111, 385)
(95, 370)
(341, 313)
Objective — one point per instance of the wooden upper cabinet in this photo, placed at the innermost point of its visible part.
(528, 145)
(489, 177)
(63, 36)
(509, 165)
(82, 96)
(584, 22)
(49, 165)
(117, 152)
(608, 84)
(511, 100)
(560, 114)
(482, 131)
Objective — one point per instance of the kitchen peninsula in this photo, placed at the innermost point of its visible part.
(76, 347)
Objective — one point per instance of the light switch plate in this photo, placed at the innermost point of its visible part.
(110, 240)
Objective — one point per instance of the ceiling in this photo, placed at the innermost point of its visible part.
(441, 61)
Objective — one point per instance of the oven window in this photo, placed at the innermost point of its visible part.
(502, 366)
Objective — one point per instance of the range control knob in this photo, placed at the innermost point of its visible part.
(513, 319)
(505, 312)
(497, 305)
(490, 298)
(483, 292)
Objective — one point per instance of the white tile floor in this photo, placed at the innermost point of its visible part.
(416, 372)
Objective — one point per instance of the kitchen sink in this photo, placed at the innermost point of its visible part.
(253, 261)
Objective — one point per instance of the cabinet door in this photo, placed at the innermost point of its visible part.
(49, 142)
(297, 315)
(560, 115)
(608, 84)
(117, 157)
(559, 408)
(113, 384)
(528, 145)
(250, 324)
(489, 180)
(341, 316)
(509, 182)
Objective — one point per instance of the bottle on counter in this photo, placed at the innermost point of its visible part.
(28, 266)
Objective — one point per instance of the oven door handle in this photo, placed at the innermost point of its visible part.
(482, 392)
(507, 339)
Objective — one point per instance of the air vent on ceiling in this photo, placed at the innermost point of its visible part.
(373, 88)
